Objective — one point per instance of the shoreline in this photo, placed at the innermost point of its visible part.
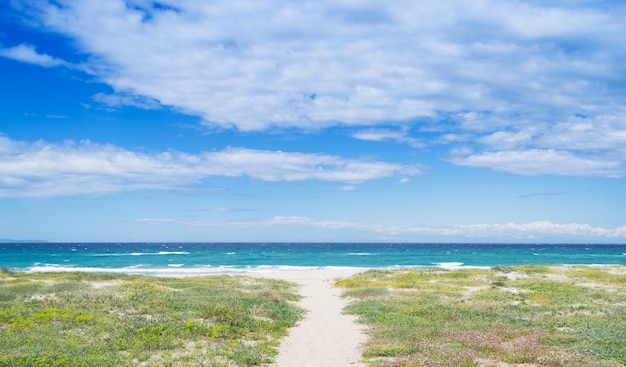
(178, 271)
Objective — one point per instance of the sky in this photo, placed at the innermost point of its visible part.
(313, 121)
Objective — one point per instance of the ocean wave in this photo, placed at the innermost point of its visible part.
(120, 254)
(363, 253)
(173, 269)
(453, 265)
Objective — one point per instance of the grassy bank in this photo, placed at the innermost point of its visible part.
(506, 316)
(78, 319)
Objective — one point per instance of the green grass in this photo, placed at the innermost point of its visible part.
(519, 316)
(79, 319)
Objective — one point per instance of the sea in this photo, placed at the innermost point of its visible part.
(213, 258)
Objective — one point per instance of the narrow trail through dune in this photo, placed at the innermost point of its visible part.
(325, 337)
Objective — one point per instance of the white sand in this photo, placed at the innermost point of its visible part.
(326, 337)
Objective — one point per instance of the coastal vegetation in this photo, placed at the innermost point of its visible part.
(513, 316)
(503, 316)
(82, 319)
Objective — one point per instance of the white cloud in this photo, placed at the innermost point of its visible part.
(27, 53)
(504, 231)
(512, 76)
(388, 135)
(578, 146)
(305, 63)
(75, 168)
(542, 228)
(506, 140)
(602, 133)
(117, 100)
(535, 162)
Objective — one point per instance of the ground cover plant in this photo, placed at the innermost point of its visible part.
(80, 319)
(504, 316)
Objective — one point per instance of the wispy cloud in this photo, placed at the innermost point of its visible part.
(75, 168)
(535, 194)
(399, 136)
(519, 82)
(118, 100)
(57, 117)
(27, 53)
(534, 162)
(505, 231)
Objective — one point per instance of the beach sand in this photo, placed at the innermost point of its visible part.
(325, 337)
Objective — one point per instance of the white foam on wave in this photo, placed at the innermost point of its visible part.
(174, 269)
(170, 270)
(120, 254)
(363, 253)
(182, 269)
(450, 265)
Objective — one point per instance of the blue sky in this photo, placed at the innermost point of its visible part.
(430, 121)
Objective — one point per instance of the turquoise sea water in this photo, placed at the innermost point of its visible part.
(207, 258)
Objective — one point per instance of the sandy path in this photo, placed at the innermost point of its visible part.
(325, 337)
